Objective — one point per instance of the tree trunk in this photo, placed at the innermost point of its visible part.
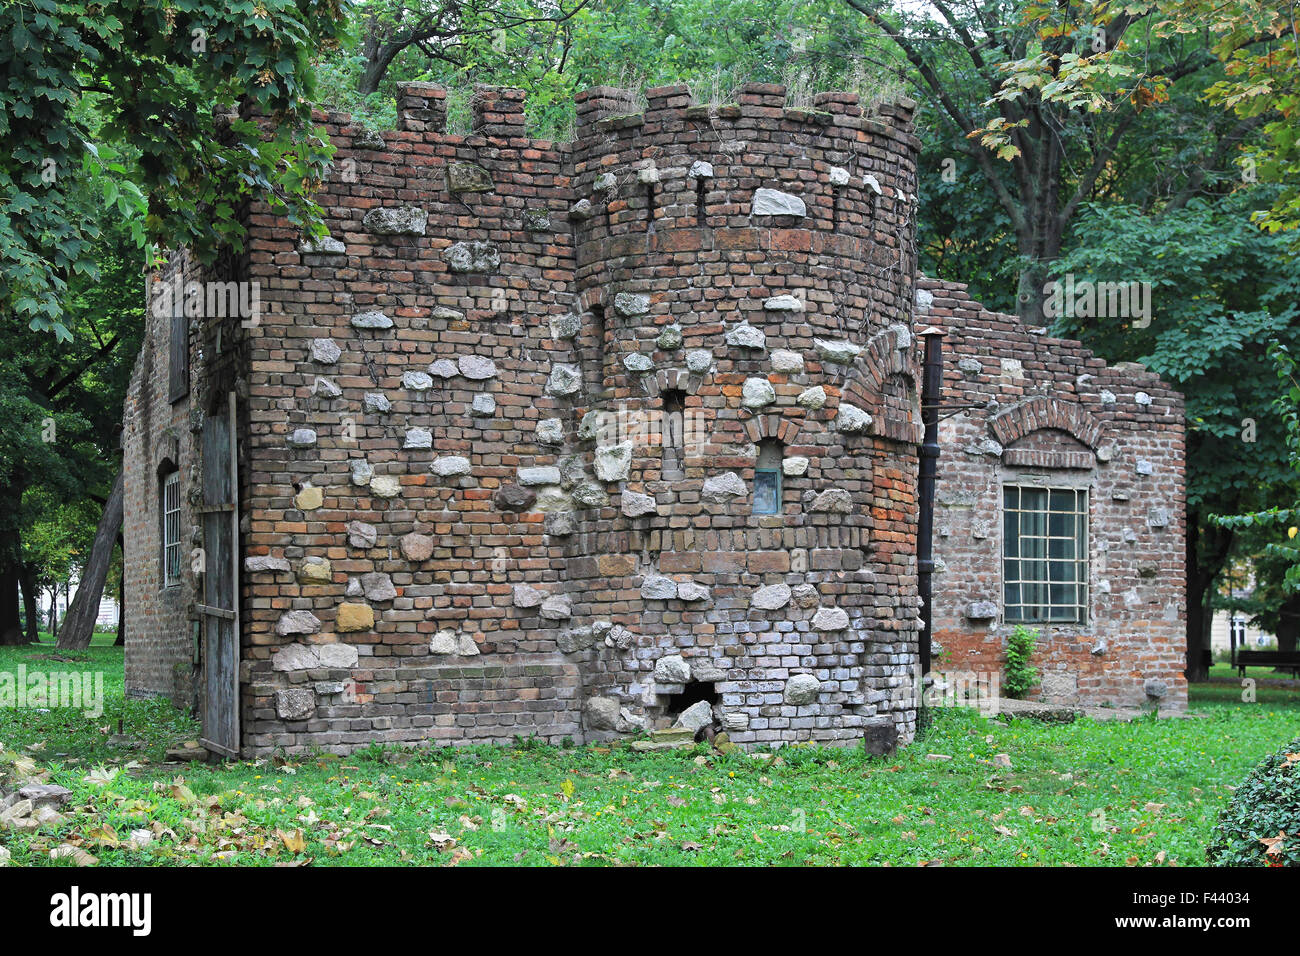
(1288, 624)
(11, 631)
(378, 57)
(31, 603)
(79, 622)
(1206, 550)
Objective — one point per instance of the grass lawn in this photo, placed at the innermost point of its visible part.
(1086, 793)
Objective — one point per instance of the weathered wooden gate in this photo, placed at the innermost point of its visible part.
(219, 612)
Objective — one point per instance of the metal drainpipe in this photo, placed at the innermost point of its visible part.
(931, 395)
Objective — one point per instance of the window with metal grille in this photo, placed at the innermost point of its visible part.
(1045, 554)
(673, 461)
(767, 478)
(171, 512)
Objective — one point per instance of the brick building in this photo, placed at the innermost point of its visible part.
(554, 440)
(1060, 506)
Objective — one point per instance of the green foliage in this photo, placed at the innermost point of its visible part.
(165, 156)
(1020, 674)
(1260, 826)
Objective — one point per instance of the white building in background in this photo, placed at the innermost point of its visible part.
(109, 611)
(1248, 637)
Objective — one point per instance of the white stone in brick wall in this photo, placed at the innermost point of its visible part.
(589, 494)
(302, 438)
(362, 535)
(744, 336)
(416, 547)
(325, 351)
(773, 202)
(986, 446)
(902, 336)
(771, 597)
(838, 176)
(670, 339)
(297, 622)
(638, 363)
(619, 638)
(804, 596)
(1012, 369)
(353, 589)
(635, 504)
(296, 703)
(371, 320)
(564, 380)
(835, 500)
(526, 596)
(719, 489)
(1105, 453)
(613, 461)
(557, 607)
(565, 326)
(450, 466)
(699, 361)
(784, 303)
(601, 713)
(648, 175)
(631, 304)
(397, 221)
(418, 438)
(444, 368)
(924, 300)
(444, 642)
(783, 360)
(981, 610)
(836, 351)
(691, 592)
(873, 184)
(1145, 467)
(794, 466)
(812, 398)
(337, 655)
(707, 669)
(417, 381)
(830, 619)
(581, 210)
(802, 689)
(550, 431)
(672, 669)
(605, 182)
(971, 366)
(265, 562)
(362, 472)
(540, 475)
(575, 639)
(377, 403)
(385, 486)
(1107, 397)
(474, 256)
(324, 388)
(445, 314)
(378, 586)
(295, 657)
(757, 393)
(324, 246)
(466, 646)
(1158, 517)
(696, 716)
(476, 367)
(735, 721)
(656, 587)
(1142, 398)
(483, 406)
(700, 170)
(851, 419)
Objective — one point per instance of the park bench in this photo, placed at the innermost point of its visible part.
(1289, 659)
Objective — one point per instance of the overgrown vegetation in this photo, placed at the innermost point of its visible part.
(1020, 674)
(1260, 826)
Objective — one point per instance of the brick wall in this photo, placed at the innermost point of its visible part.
(458, 526)
(1048, 412)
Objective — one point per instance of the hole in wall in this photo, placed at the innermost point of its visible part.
(695, 692)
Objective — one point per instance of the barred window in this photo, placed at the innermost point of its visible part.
(1045, 554)
(767, 477)
(171, 513)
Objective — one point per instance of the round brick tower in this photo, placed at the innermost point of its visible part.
(742, 416)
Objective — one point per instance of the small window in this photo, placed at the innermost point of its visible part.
(171, 522)
(1045, 554)
(178, 351)
(767, 478)
(673, 438)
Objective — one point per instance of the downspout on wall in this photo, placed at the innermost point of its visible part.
(931, 396)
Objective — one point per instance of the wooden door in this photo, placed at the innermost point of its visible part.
(219, 612)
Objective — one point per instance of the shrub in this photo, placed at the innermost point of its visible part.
(1020, 674)
(1265, 805)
